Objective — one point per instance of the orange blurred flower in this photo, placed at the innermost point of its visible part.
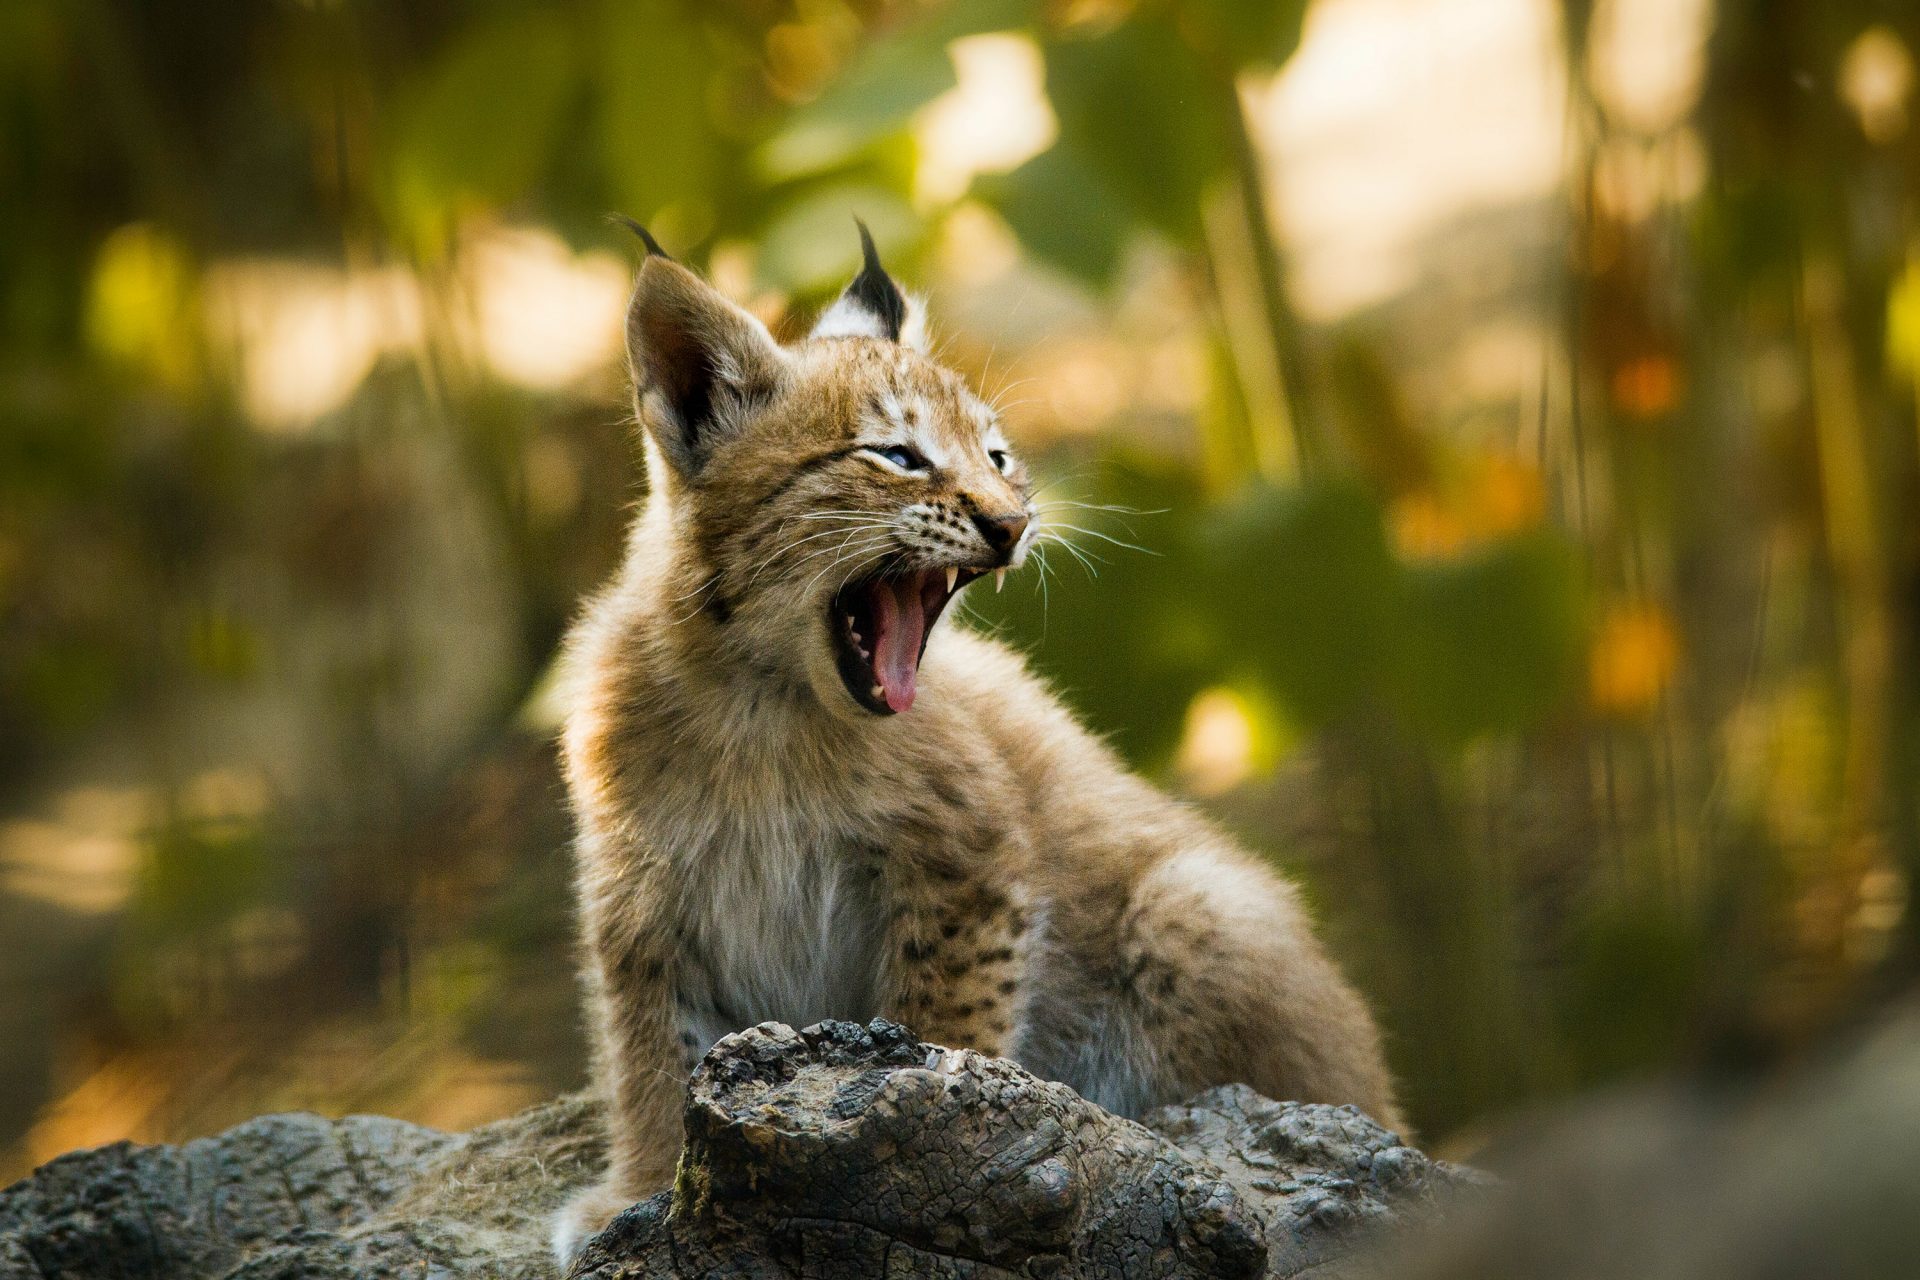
(1648, 386)
(1496, 495)
(1424, 528)
(1507, 494)
(1634, 657)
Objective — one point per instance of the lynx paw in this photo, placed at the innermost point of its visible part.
(585, 1215)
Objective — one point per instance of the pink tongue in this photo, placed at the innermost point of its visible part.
(896, 651)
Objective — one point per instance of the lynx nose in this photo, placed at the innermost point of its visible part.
(1002, 532)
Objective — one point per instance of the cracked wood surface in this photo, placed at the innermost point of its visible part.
(841, 1150)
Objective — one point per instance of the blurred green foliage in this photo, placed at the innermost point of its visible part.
(1593, 737)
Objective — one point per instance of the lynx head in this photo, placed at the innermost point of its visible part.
(826, 499)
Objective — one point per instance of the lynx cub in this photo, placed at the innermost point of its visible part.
(800, 797)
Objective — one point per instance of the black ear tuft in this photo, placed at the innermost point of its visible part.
(873, 306)
(875, 290)
(646, 237)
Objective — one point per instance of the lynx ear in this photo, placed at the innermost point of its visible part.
(699, 362)
(874, 306)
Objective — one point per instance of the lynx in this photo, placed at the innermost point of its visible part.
(801, 795)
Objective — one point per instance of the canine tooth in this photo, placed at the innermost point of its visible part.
(876, 692)
(953, 576)
(850, 623)
(999, 580)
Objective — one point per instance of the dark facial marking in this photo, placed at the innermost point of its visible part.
(804, 467)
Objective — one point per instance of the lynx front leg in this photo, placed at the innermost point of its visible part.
(642, 1058)
(957, 950)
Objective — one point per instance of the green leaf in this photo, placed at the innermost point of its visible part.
(657, 143)
(1491, 642)
(197, 877)
(1258, 33)
(1147, 116)
(1632, 984)
(811, 244)
(895, 75)
(1306, 592)
(1058, 207)
(484, 120)
(888, 83)
(949, 22)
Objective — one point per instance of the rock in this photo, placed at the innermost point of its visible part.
(837, 1151)
(1811, 1169)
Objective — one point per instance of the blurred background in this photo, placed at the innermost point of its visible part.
(1496, 420)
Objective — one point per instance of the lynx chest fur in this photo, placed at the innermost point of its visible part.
(783, 921)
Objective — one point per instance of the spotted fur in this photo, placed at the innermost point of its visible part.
(754, 844)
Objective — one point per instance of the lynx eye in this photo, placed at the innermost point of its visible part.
(999, 459)
(902, 457)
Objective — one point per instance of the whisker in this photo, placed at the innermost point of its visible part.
(866, 547)
(839, 549)
(852, 544)
(1113, 507)
(1046, 601)
(1095, 533)
(1086, 558)
(880, 570)
(712, 580)
(827, 533)
(869, 539)
(1000, 393)
(1046, 512)
(781, 552)
(697, 606)
(829, 515)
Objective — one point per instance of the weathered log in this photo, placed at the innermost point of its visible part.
(838, 1151)
(301, 1196)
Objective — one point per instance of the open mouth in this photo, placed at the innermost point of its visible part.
(880, 628)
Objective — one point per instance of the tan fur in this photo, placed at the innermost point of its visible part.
(754, 845)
